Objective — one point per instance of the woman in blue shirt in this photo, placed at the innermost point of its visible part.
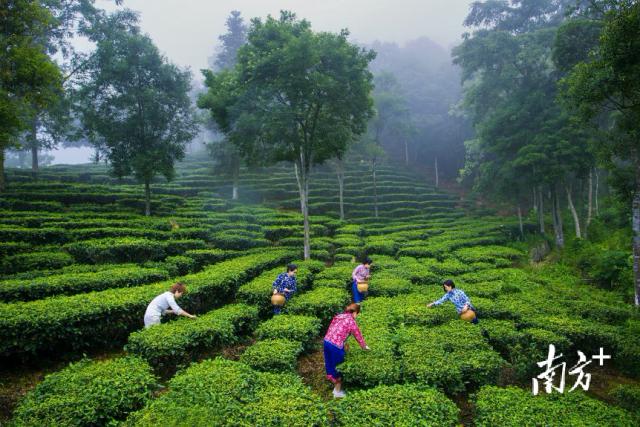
(459, 299)
(285, 284)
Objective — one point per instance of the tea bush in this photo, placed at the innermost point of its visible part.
(171, 345)
(225, 393)
(449, 357)
(303, 329)
(276, 355)
(512, 406)
(396, 405)
(88, 393)
(71, 323)
(69, 284)
(627, 396)
(322, 303)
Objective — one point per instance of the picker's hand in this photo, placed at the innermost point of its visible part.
(168, 311)
(346, 347)
(367, 348)
(465, 308)
(275, 291)
(287, 290)
(430, 305)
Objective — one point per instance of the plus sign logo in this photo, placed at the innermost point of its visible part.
(554, 374)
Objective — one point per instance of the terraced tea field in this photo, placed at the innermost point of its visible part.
(80, 264)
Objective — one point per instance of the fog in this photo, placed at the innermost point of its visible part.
(187, 31)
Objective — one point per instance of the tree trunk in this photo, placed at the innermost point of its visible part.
(2, 182)
(375, 188)
(303, 189)
(597, 185)
(636, 234)
(236, 176)
(574, 213)
(147, 198)
(520, 222)
(437, 175)
(34, 161)
(535, 200)
(541, 210)
(589, 204)
(557, 218)
(340, 173)
(406, 152)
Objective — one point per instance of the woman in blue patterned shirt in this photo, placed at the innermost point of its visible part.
(285, 284)
(459, 299)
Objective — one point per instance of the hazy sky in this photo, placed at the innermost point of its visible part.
(187, 30)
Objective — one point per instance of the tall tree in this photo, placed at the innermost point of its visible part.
(225, 155)
(136, 104)
(607, 84)
(29, 78)
(524, 136)
(295, 95)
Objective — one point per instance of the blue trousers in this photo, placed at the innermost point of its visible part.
(333, 356)
(357, 295)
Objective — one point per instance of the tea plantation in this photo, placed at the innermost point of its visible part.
(79, 263)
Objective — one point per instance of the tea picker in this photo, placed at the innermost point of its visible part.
(460, 300)
(342, 325)
(166, 304)
(360, 280)
(283, 288)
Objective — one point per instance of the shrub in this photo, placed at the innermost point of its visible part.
(117, 250)
(627, 396)
(405, 405)
(512, 406)
(388, 285)
(449, 357)
(171, 345)
(69, 284)
(178, 265)
(226, 393)
(276, 355)
(72, 323)
(322, 303)
(34, 236)
(303, 329)
(88, 394)
(204, 257)
(35, 261)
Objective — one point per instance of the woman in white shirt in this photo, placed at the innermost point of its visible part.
(165, 304)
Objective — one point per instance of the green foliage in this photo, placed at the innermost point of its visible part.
(125, 249)
(449, 357)
(69, 284)
(172, 345)
(322, 303)
(137, 104)
(88, 393)
(35, 261)
(512, 406)
(627, 396)
(275, 355)
(225, 393)
(303, 329)
(398, 405)
(71, 323)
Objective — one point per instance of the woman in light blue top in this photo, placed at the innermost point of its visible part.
(165, 304)
(459, 299)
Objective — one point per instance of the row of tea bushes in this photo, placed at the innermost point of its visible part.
(88, 393)
(170, 346)
(225, 393)
(105, 318)
(69, 284)
(513, 406)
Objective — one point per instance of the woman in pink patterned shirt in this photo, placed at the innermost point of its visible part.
(342, 325)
